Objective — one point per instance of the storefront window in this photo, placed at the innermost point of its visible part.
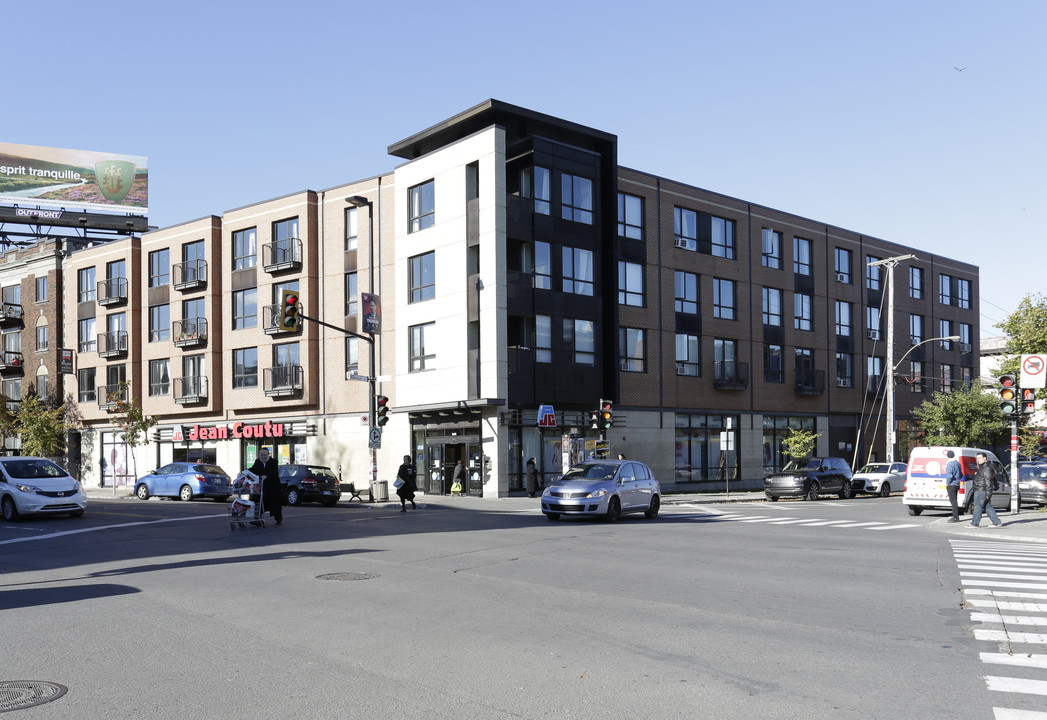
(775, 430)
(699, 456)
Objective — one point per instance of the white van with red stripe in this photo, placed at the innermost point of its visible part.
(925, 479)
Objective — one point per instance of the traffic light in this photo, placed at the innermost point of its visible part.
(594, 419)
(1008, 394)
(290, 312)
(1028, 406)
(382, 403)
(606, 414)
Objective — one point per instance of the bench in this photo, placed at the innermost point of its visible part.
(353, 492)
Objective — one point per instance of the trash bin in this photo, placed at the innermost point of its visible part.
(381, 491)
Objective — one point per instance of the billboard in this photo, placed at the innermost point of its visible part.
(32, 175)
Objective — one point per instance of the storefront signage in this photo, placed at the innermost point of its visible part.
(236, 431)
(546, 416)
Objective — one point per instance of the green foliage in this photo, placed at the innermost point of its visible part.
(966, 416)
(799, 444)
(41, 426)
(134, 424)
(1026, 330)
(1028, 442)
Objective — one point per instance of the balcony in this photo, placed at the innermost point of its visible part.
(11, 363)
(112, 344)
(271, 321)
(810, 382)
(10, 314)
(282, 380)
(110, 395)
(112, 291)
(189, 275)
(189, 332)
(190, 390)
(731, 375)
(282, 255)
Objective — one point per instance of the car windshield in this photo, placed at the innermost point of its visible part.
(595, 471)
(1033, 471)
(812, 464)
(875, 468)
(33, 468)
(209, 469)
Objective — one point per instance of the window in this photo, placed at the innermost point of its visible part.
(245, 308)
(41, 289)
(631, 349)
(685, 228)
(159, 377)
(543, 339)
(872, 321)
(193, 260)
(804, 367)
(87, 337)
(874, 369)
(946, 378)
(801, 311)
(686, 292)
(535, 183)
(352, 354)
(159, 267)
(577, 271)
(916, 283)
(85, 285)
(194, 313)
(43, 338)
(966, 376)
(801, 256)
(352, 297)
(915, 379)
(725, 359)
(772, 249)
(421, 206)
(245, 248)
(945, 289)
(630, 283)
(630, 216)
(688, 355)
(723, 299)
(43, 386)
(85, 380)
(543, 266)
(945, 330)
(580, 338)
(285, 244)
(773, 369)
(351, 228)
(576, 198)
(421, 344)
(872, 273)
(843, 318)
(843, 265)
(963, 294)
(722, 237)
(422, 277)
(245, 368)
(287, 355)
(159, 323)
(965, 337)
(844, 370)
(772, 307)
(916, 329)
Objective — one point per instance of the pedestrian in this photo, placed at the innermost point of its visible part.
(621, 456)
(953, 475)
(407, 488)
(531, 477)
(272, 492)
(984, 484)
(458, 477)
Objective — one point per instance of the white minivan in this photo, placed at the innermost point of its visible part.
(925, 479)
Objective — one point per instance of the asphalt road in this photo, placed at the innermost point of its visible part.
(486, 610)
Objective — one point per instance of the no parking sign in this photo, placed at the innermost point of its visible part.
(1033, 367)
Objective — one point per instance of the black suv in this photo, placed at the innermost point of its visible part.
(808, 478)
(309, 483)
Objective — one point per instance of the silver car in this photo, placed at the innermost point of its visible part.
(879, 479)
(604, 488)
(32, 485)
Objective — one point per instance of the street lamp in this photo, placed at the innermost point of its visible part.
(891, 432)
(359, 201)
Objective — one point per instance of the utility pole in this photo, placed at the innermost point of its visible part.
(890, 264)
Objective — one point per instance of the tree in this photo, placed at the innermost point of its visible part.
(967, 417)
(134, 424)
(799, 444)
(1026, 330)
(42, 427)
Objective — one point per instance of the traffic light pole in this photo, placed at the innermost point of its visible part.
(1015, 501)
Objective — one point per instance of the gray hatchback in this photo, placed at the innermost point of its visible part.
(603, 488)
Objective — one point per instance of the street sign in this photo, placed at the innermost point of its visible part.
(375, 438)
(354, 376)
(1033, 375)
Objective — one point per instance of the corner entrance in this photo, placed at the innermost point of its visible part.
(443, 456)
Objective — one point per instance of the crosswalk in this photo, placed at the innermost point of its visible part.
(704, 515)
(1004, 588)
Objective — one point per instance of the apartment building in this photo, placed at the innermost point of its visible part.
(524, 276)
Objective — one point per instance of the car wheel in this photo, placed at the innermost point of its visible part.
(142, 491)
(614, 510)
(652, 511)
(10, 510)
(772, 498)
(553, 516)
(76, 513)
(185, 493)
(846, 492)
(293, 498)
(812, 492)
(914, 510)
(885, 490)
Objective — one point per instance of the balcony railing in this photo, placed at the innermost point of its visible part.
(282, 255)
(112, 344)
(282, 380)
(189, 332)
(189, 390)
(11, 362)
(810, 382)
(271, 320)
(10, 314)
(110, 395)
(112, 291)
(731, 375)
(189, 275)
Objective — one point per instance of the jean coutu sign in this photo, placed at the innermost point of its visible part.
(236, 431)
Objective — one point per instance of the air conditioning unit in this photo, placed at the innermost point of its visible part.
(843, 382)
(681, 243)
(874, 334)
(965, 347)
(841, 277)
(681, 369)
(623, 364)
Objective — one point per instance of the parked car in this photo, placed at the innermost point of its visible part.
(31, 485)
(185, 481)
(309, 483)
(604, 488)
(879, 479)
(809, 479)
(1032, 484)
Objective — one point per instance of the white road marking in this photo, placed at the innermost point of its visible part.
(1009, 714)
(1016, 685)
(1008, 619)
(1031, 661)
(1013, 606)
(1009, 637)
(111, 527)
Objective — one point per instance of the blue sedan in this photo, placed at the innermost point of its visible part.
(186, 481)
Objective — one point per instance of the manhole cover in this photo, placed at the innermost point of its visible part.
(19, 694)
(346, 576)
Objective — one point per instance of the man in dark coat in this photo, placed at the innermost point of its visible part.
(408, 488)
(272, 492)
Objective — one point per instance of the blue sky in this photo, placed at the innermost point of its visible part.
(847, 113)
